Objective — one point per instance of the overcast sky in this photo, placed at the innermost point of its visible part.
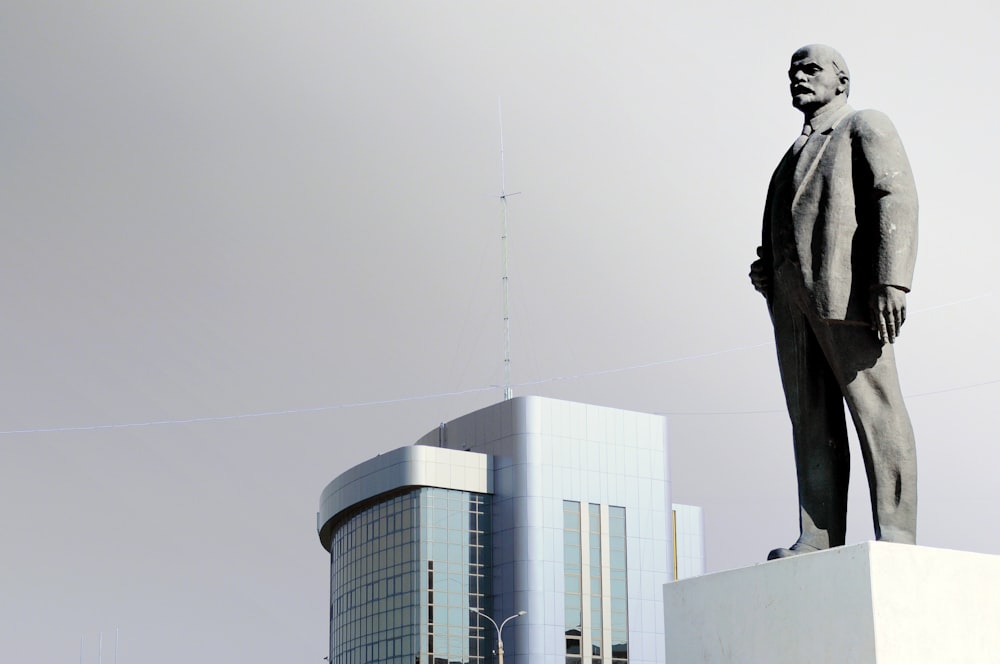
(269, 234)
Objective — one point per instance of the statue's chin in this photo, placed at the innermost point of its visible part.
(800, 101)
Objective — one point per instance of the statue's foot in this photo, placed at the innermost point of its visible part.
(794, 550)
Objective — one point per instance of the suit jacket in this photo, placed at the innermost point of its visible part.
(843, 213)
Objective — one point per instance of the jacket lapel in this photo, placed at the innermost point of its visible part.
(812, 152)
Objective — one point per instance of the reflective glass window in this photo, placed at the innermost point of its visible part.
(404, 571)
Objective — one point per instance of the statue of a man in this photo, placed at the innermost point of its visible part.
(835, 264)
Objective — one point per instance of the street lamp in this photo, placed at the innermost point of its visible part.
(499, 629)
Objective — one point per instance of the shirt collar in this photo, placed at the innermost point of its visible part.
(829, 116)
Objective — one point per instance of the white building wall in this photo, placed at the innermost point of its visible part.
(546, 451)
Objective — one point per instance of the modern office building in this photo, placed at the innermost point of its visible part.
(555, 509)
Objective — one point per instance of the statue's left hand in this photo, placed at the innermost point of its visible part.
(888, 306)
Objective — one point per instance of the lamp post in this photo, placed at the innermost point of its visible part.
(499, 629)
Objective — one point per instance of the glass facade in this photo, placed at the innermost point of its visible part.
(596, 584)
(405, 574)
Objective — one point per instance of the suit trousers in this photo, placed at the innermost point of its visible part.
(823, 364)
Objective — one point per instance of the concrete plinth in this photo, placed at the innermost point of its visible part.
(861, 604)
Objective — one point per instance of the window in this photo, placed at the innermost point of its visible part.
(404, 574)
(573, 581)
(595, 583)
(619, 585)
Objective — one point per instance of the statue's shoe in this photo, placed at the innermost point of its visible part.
(796, 549)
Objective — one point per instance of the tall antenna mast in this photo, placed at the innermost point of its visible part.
(508, 392)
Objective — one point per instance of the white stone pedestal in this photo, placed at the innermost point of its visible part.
(861, 604)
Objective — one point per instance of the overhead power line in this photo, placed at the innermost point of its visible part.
(487, 388)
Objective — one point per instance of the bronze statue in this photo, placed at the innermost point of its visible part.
(835, 264)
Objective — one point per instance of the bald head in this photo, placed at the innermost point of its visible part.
(818, 76)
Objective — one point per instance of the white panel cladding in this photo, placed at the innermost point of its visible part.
(546, 451)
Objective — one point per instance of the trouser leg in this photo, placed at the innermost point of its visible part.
(867, 372)
(816, 409)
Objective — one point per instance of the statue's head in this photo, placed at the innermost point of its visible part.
(817, 76)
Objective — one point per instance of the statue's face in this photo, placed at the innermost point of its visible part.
(813, 79)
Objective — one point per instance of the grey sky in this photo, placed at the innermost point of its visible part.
(213, 209)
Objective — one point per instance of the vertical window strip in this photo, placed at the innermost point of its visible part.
(619, 584)
(573, 578)
(596, 584)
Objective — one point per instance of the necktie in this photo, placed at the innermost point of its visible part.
(803, 137)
